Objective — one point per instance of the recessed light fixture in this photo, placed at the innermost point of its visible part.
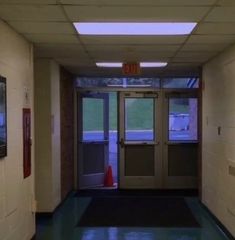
(109, 64)
(153, 64)
(142, 64)
(134, 28)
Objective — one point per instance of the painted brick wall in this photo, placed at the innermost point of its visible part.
(16, 193)
(218, 151)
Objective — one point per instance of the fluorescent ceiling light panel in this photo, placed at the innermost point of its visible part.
(142, 64)
(152, 64)
(109, 64)
(125, 28)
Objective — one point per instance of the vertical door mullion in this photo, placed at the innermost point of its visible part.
(121, 137)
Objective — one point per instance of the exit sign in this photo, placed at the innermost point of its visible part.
(131, 69)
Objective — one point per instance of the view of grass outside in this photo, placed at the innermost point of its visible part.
(93, 114)
(139, 113)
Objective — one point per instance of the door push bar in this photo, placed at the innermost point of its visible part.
(122, 143)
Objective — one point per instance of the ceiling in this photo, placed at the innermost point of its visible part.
(48, 24)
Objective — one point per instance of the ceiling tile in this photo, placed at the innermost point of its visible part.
(75, 61)
(215, 28)
(183, 54)
(110, 72)
(198, 59)
(211, 39)
(28, 1)
(132, 48)
(182, 71)
(43, 27)
(91, 13)
(60, 50)
(221, 14)
(184, 64)
(141, 2)
(124, 56)
(226, 3)
(31, 13)
(51, 38)
(133, 40)
(203, 47)
(135, 55)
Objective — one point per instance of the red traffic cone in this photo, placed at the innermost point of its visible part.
(108, 180)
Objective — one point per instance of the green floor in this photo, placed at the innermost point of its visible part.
(63, 226)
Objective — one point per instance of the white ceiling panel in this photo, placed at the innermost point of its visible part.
(153, 72)
(52, 38)
(44, 23)
(83, 13)
(226, 3)
(203, 47)
(94, 71)
(221, 14)
(111, 72)
(129, 57)
(199, 59)
(28, 1)
(60, 50)
(136, 48)
(141, 2)
(198, 55)
(184, 64)
(216, 28)
(133, 40)
(31, 13)
(43, 27)
(211, 39)
(134, 55)
(75, 61)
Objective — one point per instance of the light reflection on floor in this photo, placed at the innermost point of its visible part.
(63, 226)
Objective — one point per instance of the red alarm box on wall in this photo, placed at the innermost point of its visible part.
(26, 142)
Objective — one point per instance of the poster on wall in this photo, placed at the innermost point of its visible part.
(27, 142)
(3, 118)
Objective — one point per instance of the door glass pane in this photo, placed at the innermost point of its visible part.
(87, 82)
(93, 119)
(192, 82)
(183, 119)
(139, 119)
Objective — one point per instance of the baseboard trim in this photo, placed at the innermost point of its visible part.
(51, 214)
(34, 237)
(218, 223)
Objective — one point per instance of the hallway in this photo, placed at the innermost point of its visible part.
(171, 65)
(63, 225)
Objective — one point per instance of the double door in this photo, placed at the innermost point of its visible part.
(157, 139)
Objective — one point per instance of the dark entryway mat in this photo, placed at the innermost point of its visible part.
(137, 212)
(136, 192)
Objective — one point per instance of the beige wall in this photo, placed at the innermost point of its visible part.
(16, 193)
(218, 153)
(47, 135)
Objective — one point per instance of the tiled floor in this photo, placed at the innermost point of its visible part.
(63, 226)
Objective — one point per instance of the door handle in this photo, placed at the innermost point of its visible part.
(122, 143)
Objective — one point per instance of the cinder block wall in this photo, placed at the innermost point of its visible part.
(16, 193)
(218, 151)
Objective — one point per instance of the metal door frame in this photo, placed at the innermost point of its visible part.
(79, 131)
(163, 131)
(177, 181)
(140, 181)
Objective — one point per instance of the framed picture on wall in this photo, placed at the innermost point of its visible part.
(3, 118)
